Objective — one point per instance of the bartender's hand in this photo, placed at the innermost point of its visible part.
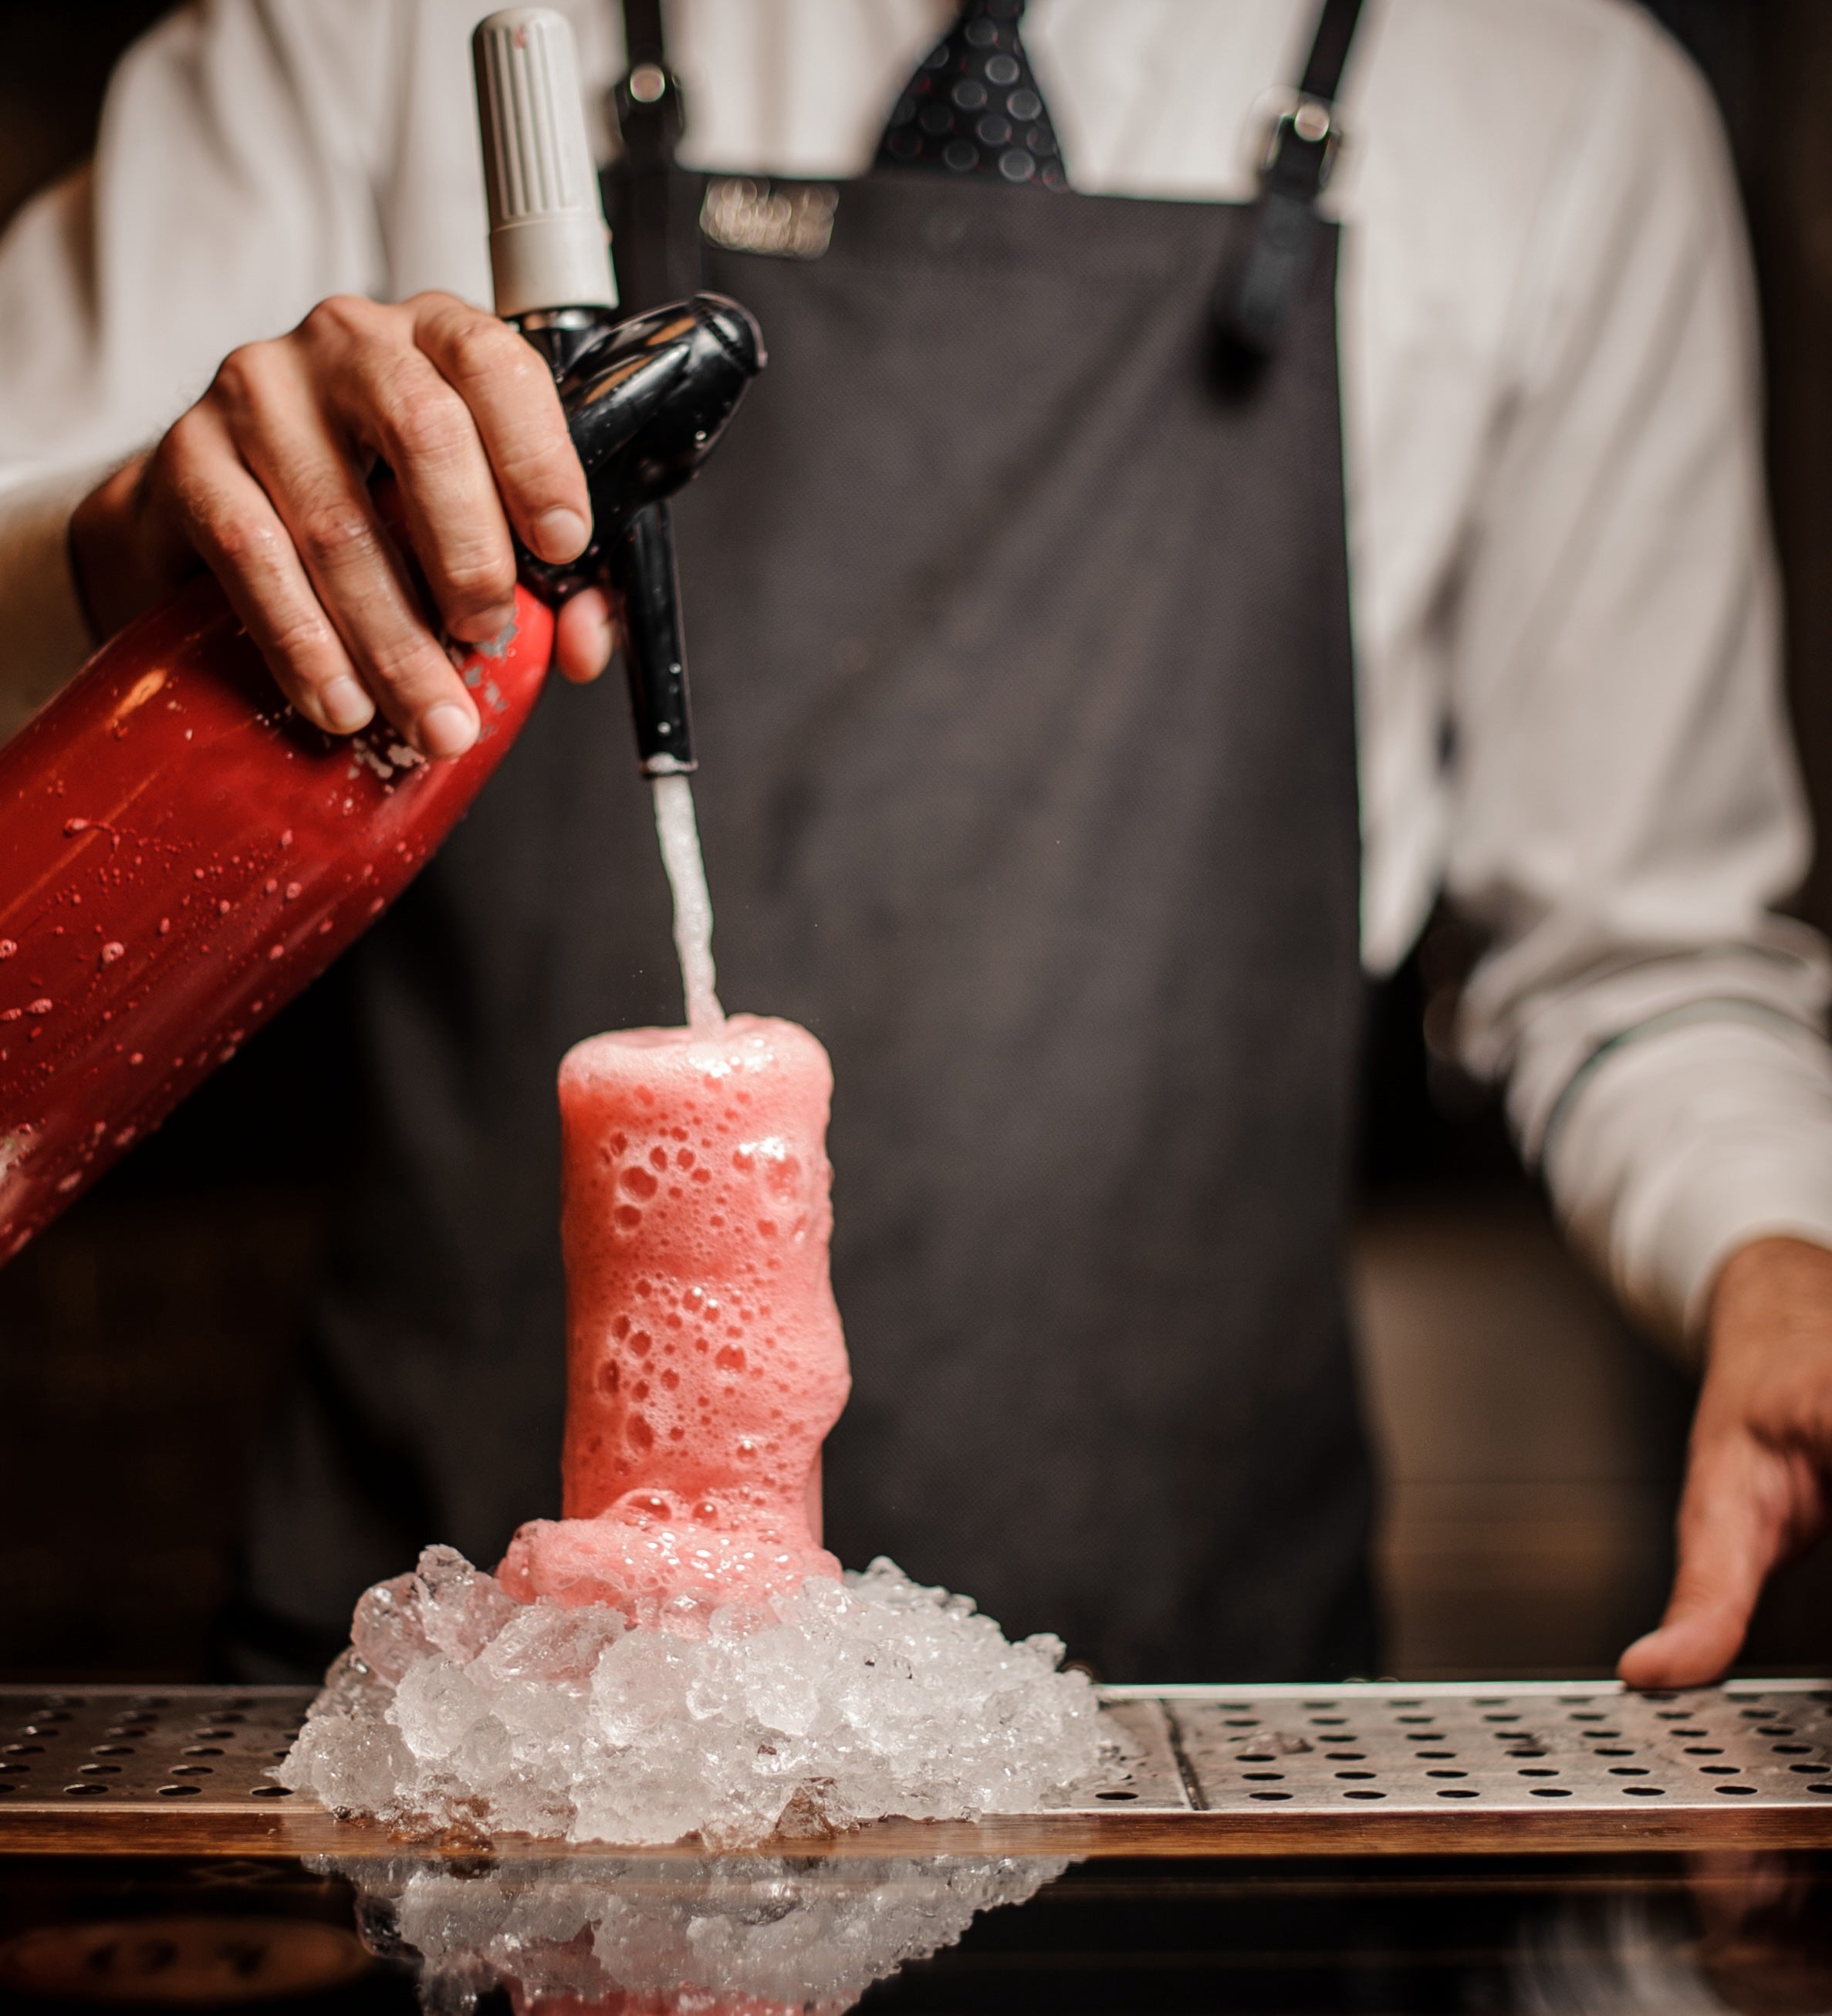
(264, 482)
(1758, 1480)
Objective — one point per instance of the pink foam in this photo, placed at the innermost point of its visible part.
(704, 1359)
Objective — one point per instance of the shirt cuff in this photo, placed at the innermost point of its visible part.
(1686, 1142)
(41, 617)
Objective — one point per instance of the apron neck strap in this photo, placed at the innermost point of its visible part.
(1329, 49)
(654, 243)
(1257, 291)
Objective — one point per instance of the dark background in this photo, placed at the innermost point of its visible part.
(1532, 1446)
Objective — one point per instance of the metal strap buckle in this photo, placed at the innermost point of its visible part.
(1313, 121)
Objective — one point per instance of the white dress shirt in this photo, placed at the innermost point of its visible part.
(1570, 706)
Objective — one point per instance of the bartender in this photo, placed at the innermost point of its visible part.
(1110, 636)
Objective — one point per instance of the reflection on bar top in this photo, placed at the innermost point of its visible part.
(770, 1935)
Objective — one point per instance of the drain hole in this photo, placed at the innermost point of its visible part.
(25, 1749)
(1354, 1774)
(1549, 1791)
(1264, 1777)
(1646, 1791)
(99, 1770)
(1719, 1770)
(1741, 1791)
(1779, 1728)
(1346, 1756)
(1627, 1752)
(1531, 1772)
(1255, 1757)
(286, 1792)
(1703, 1750)
(1434, 1753)
(201, 1750)
(1819, 1788)
(1447, 1774)
(1364, 1795)
(179, 1791)
(113, 1750)
(1286, 1795)
(1098, 1795)
(1627, 1771)
(1456, 1792)
(1793, 1749)
(1807, 1770)
(84, 1791)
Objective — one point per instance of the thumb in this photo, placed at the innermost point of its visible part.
(1730, 1538)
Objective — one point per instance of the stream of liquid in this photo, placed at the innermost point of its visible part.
(693, 903)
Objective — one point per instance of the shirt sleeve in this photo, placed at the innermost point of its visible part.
(234, 184)
(1626, 807)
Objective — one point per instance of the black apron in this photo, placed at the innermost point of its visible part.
(1025, 701)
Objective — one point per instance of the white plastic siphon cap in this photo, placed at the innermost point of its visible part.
(549, 248)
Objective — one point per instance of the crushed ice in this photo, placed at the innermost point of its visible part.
(757, 1933)
(456, 1707)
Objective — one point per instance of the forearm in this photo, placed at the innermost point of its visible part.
(1686, 1139)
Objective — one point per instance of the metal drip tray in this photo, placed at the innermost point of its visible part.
(144, 1748)
(1522, 1748)
(1259, 1770)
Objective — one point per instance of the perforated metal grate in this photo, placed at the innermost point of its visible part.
(1199, 1758)
(1525, 1747)
(164, 1747)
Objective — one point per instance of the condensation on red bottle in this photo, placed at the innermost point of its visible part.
(180, 855)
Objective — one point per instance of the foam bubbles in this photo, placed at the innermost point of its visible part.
(456, 1707)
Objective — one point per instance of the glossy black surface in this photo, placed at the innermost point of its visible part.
(642, 571)
(646, 404)
(646, 400)
(1747, 1933)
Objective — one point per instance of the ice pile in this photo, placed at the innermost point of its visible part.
(457, 1707)
(760, 1935)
